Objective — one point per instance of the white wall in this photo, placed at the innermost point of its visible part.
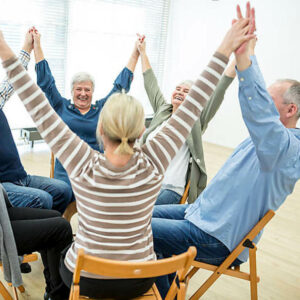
(196, 28)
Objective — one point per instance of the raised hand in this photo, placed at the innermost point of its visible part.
(238, 34)
(28, 42)
(141, 44)
(250, 14)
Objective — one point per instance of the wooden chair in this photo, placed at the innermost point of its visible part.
(4, 292)
(224, 268)
(52, 164)
(186, 193)
(123, 269)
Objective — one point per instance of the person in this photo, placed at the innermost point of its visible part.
(188, 164)
(34, 229)
(26, 190)
(81, 116)
(258, 176)
(116, 191)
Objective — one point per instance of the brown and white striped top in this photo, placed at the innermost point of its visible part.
(114, 204)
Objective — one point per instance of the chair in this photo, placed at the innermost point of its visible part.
(224, 268)
(186, 193)
(124, 269)
(4, 292)
(52, 164)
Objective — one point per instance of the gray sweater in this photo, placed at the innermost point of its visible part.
(8, 249)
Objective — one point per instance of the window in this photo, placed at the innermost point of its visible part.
(96, 36)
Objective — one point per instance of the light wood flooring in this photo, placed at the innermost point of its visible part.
(278, 255)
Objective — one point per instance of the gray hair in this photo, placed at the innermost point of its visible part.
(292, 94)
(187, 82)
(81, 77)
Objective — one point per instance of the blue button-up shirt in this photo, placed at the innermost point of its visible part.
(257, 177)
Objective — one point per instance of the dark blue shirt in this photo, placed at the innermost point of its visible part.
(11, 168)
(83, 125)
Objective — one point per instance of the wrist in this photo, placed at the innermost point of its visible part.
(224, 50)
(243, 62)
(27, 48)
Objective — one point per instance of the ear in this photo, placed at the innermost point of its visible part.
(292, 110)
(142, 132)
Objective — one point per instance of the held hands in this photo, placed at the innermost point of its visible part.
(141, 44)
(242, 30)
(28, 42)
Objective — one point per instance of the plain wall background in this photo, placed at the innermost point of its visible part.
(196, 28)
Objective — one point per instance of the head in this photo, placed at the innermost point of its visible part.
(286, 96)
(180, 92)
(82, 88)
(121, 122)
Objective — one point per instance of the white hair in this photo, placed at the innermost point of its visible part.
(81, 77)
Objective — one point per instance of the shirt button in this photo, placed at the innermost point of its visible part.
(242, 79)
(198, 161)
(249, 98)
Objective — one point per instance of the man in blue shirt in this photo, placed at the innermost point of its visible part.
(257, 177)
(25, 190)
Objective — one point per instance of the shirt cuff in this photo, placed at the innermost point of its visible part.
(247, 76)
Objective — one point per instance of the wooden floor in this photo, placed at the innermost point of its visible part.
(278, 251)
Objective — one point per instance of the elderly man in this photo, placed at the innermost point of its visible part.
(257, 177)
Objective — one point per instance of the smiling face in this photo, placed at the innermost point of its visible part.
(82, 95)
(179, 95)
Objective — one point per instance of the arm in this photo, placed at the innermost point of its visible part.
(45, 79)
(72, 152)
(6, 89)
(274, 144)
(217, 97)
(153, 91)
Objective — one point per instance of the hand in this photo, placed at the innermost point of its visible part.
(241, 31)
(36, 38)
(28, 42)
(141, 44)
(250, 14)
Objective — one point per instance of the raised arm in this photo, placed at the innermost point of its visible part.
(166, 143)
(45, 79)
(6, 89)
(72, 152)
(217, 97)
(153, 91)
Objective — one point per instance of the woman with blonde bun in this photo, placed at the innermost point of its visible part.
(116, 191)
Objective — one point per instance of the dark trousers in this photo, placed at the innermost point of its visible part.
(47, 232)
(106, 288)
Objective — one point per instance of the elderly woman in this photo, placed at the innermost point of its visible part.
(116, 191)
(79, 114)
(188, 164)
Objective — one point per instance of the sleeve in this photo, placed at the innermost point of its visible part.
(6, 89)
(72, 152)
(122, 82)
(46, 82)
(155, 96)
(163, 146)
(215, 102)
(274, 143)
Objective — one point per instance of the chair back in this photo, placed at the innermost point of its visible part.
(124, 269)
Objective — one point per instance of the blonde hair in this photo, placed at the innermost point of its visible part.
(122, 120)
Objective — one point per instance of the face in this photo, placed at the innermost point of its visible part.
(276, 91)
(82, 95)
(179, 94)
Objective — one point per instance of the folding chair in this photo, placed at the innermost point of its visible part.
(4, 292)
(52, 163)
(224, 268)
(186, 193)
(124, 269)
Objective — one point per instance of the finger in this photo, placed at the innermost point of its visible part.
(233, 21)
(248, 10)
(239, 12)
(252, 21)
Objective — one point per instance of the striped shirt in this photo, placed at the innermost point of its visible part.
(115, 203)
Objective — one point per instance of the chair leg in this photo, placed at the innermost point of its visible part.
(15, 293)
(70, 211)
(5, 294)
(253, 273)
